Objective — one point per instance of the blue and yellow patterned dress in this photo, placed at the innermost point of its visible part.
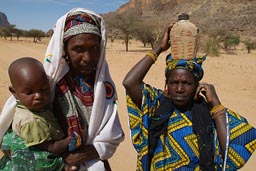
(178, 150)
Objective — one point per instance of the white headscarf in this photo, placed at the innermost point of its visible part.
(104, 131)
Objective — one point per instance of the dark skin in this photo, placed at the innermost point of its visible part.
(182, 87)
(83, 51)
(33, 91)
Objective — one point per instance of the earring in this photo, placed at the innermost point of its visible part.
(166, 93)
(66, 59)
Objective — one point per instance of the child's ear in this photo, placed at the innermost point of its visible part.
(12, 90)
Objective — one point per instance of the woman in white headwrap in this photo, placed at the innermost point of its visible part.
(83, 94)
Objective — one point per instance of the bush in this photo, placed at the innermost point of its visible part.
(249, 44)
(211, 47)
(231, 41)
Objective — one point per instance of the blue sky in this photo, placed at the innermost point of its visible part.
(42, 14)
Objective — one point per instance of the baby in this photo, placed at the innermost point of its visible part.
(33, 120)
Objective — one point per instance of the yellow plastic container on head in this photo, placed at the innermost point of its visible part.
(184, 38)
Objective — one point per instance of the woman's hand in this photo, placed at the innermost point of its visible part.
(79, 156)
(70, 168)
(208, 92)
(164, 44)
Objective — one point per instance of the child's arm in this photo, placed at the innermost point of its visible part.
(55, 147)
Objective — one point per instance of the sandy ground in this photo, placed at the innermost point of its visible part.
(234, 77)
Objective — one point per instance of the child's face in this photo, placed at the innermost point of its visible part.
(32, 90)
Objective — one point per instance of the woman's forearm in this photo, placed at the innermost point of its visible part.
(133, 80)
(79, 156)
(221, 128)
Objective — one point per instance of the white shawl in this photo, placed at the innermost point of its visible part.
(104, 131)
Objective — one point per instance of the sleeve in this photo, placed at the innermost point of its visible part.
(242, 141)
(139, 117)
(35, 133)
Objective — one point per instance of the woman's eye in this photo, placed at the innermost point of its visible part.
(187, 83)
(45, 89)
(96, 47)
(78, 49)
(173, 82)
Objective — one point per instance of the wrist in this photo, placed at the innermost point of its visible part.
(158, 50)
(215, 103)
(217, 111)
(152, 55)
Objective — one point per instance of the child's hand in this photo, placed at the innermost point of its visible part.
(70, 168)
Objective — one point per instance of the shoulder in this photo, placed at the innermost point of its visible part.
(151, 91)
(21, 117)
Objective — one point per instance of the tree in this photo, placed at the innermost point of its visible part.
(49, 33)
(249, 44)
(36, 34)
(1, 32)
(125, 23)
(211, 47)
(148, 32)
(231, 40)
(215, 37)
(219, 38)
(8, 31)
(17, 32)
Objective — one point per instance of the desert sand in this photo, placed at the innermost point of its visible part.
(234, 77)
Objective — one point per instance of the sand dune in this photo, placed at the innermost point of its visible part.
(233, 76)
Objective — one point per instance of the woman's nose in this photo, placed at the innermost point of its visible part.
(86, 57)
(180, 88)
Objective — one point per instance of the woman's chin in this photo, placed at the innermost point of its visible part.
(85, 73)
(180, 104)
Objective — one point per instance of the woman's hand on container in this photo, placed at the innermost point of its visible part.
(164, 44)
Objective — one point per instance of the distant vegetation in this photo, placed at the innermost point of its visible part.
(250, 45)
(220, 39)
(128, 25)
(12, 32)
(229, 24)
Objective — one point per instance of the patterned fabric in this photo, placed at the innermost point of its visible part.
(74, 100)
(105, 131)
(79, 22)
(194, 65)
(178, 150)
(27, 159)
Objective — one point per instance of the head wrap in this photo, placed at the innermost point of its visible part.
(194, 65)
(78, 22)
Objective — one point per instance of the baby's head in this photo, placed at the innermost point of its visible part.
(29, 83)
